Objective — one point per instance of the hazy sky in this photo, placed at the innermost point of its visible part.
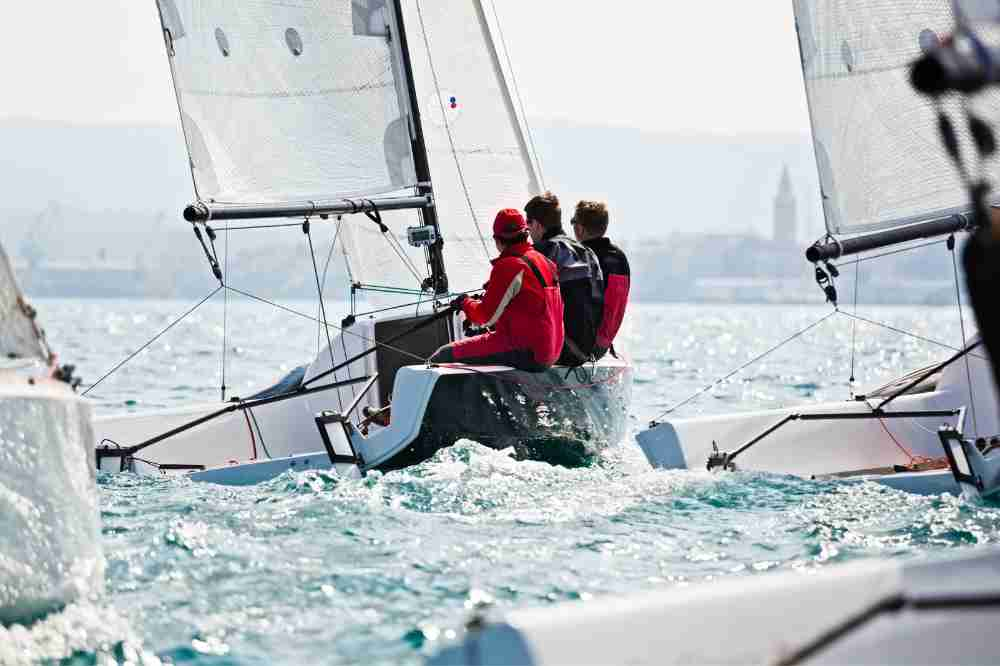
(661, 65)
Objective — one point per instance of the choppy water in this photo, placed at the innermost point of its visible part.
(309, 568)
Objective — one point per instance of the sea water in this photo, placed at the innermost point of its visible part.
(309, 568)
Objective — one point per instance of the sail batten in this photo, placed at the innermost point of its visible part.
(879, 156)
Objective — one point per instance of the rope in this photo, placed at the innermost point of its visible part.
(260, 435)
(326, 268)
(746, 365)
(153, 339)
(914, 460)
(403, 257)
(854, 324)
(343, 342)
(517, 94)
(447, 127)
(322, 307)
(961, 320)
(343, 331)
(225, 318)
(902, 332)
(253, 438)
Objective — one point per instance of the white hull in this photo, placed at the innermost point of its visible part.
(50, 548)
(813, 448)
(428, 411)
(937, 612)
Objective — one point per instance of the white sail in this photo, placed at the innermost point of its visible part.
(479, 162)
(880, 157)
(287, 100)
(308, 100)
(20, 338)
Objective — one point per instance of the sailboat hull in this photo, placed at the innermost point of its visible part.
(846, 440)
(562, 416)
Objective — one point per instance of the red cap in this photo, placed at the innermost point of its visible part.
(508, 224)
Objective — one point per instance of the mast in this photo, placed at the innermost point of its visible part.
(438, 281)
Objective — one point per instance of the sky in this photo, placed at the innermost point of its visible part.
(726, 67)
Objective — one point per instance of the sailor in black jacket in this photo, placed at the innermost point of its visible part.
(580, 279)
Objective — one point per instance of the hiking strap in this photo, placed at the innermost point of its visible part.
(534, 269)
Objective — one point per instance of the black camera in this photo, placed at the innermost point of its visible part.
(963, 65)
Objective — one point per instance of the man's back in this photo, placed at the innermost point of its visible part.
(617, 283)
(582, 287)
(523, 303)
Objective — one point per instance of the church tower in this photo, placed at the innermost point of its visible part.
(784, 211)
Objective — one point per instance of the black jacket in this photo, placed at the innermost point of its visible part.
(582, 285)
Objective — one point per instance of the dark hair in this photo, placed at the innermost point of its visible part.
(592, 216)
(521, 237)
(545, 210)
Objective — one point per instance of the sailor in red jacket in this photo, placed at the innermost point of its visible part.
(590, 224)
(522, 305)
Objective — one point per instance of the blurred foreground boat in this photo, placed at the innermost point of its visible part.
(50, 549)
(885, 612)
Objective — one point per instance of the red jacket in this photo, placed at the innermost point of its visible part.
(523, 304)
(617, 281)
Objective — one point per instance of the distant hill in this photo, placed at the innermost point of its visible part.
(655, 183)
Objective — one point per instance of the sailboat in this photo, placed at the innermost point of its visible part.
(885, 181)
(892, 611)
(390, 126)
(50, 537)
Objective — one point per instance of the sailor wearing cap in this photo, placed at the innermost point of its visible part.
(522, 305)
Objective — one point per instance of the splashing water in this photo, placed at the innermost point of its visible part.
(313, 568)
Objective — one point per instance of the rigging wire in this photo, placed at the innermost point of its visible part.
(517, 93)
(326, 268)
(322, 306)
(447, 127)
(153, 339)
(396, 247)
(746, 365)
(225, 315)
(961, 320)
(902, 332)
(344, 331)
(854, 326)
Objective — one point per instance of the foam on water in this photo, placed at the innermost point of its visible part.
(311, 568)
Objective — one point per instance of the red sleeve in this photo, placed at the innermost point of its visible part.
(615, 298)
(505, 283)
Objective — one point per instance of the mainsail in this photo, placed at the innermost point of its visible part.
(20, 338)
(293, 100)
(311, 101)
(878, 150)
